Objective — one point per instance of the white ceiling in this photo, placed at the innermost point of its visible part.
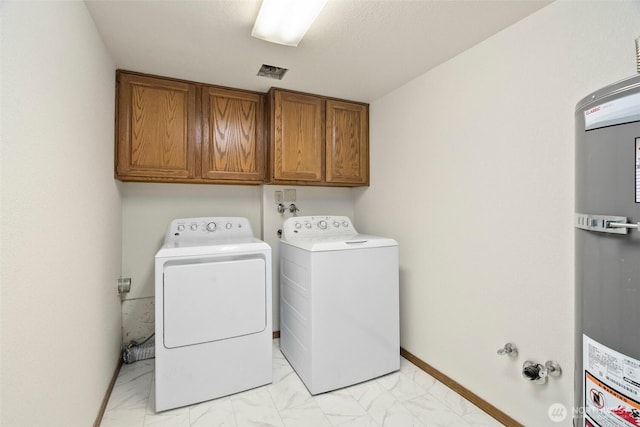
(356, 49)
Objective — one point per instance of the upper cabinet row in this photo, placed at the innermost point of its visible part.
(175, 131)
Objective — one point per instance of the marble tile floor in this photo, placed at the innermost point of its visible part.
(409, 397)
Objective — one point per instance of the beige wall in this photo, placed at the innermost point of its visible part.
(472, 171)
(61, 218)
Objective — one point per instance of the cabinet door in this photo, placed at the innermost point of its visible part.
(347, 139)
(297, 137)
(156, 129)
(232, 135)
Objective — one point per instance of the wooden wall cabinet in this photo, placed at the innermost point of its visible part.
(156, 129)
(175, 131)
(297, 137)
(347, 143)
(316, 140)
(232, 135)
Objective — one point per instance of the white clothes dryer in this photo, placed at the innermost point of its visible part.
(212, 311)
(339, 302)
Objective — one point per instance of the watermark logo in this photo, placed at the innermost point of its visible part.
(557, 412)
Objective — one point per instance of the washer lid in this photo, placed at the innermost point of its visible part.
(328, 233)
(340, 243)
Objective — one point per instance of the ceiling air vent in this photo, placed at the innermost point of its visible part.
(272, 72)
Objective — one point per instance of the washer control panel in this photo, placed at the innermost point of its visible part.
(208, 228)
(317, 226)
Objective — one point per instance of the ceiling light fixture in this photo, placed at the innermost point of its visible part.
(286, 21)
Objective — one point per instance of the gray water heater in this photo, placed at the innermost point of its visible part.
(607, 377)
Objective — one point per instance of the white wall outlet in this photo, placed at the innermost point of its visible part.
(290, 195)
(278, 196)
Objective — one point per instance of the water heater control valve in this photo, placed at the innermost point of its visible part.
(538, 373)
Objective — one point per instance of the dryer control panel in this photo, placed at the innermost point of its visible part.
(317, 226)
(207, 228)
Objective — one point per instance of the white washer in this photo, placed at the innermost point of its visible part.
(212, 311)
(339, 302)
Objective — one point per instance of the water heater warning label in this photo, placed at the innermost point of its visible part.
(611, 387)
(637, 170)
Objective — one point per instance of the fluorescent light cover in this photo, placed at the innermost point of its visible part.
(286, 21)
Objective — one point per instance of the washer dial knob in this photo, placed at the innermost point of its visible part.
(307, 224)
(228, 226)
(298, 226)
(345, 224)
(194, 227)
(181, 227)
(211, 226)
(322, 225)
(336, 224)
